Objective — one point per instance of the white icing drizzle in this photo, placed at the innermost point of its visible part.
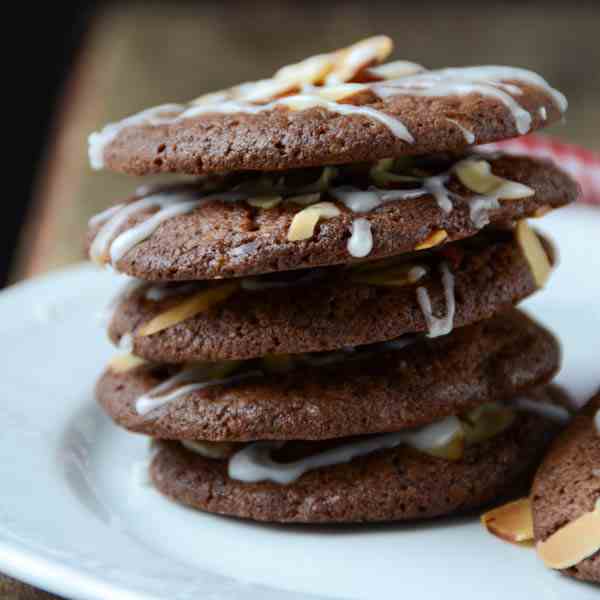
(105, 215)
(99, 140)
(303, 102)
(185, 382)
(126, 343)
(101, 244)
(480, 207)
(254, 462)
(552, 412)
(485, 80)
(436, 186)
(468, 135)
(126, 291)
(169, 205)
(360, 242)
(439, 326)
(543, 113)
(367, 200)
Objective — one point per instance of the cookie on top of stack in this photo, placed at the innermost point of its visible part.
(321, 325)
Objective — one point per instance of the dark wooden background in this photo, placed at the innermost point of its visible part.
(139, 54)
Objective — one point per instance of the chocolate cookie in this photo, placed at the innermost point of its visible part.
(305, 117)
(387, 485)
(567, 486)
(252, 225)
(371, 389)
(326, 310)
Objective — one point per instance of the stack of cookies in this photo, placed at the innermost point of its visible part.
(320, 326)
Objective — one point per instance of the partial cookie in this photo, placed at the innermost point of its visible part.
(246, 224)
(372, 389)
(331, 109)
(566, 491)
(331, 308)
(386, 485)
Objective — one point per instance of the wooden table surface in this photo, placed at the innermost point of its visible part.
(145, 54)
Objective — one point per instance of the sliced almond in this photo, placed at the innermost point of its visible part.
(396, 69)
(486, 422)
(124, 362)
(304, 222)
(264, 201)
(512, 522)
(534, 253)
(187, 309)
(311, 70)
(453, 450)
(381, 174)
(394, 276)
(572, 543)
(357, 57)
(264, 90)
(215, 450)
(343, 91)
(435, 238)
(478, 177)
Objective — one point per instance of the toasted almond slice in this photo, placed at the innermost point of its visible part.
(453, 450)
(534, 253)
(264, 201)
(396, 69)
(478, 177)
(304, 222)
(194, 305)
(512, 522)
(263, 90)
(395, 276)
(343, 91)
(121, 363)
(216, 450)
(487, 421)
(435, 238)
(311, 70)
(213, 97)
(355, 58)
(572, 543)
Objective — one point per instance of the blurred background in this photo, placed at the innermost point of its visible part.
(96, 62)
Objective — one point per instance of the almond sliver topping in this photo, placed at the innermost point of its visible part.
(304, 222)
(534, 253)
(512, 522)
(572, 543)
(189, 308)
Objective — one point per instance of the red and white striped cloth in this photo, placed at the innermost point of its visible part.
(583, 165)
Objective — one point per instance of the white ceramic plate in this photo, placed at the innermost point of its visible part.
(77, 518)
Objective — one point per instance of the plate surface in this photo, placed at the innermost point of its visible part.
(77, 516)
